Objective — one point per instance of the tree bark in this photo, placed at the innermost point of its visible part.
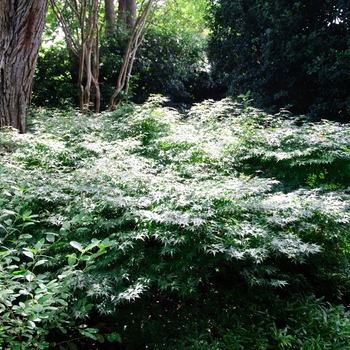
(110, 16)
(21, 28)
(127, 13)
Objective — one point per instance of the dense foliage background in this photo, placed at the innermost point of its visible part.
(221, 228)
(288, 54)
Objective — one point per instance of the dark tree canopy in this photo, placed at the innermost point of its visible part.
(286, 53)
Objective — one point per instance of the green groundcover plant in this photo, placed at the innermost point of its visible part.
(219, 228)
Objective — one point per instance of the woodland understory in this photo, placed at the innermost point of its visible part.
(174, 174)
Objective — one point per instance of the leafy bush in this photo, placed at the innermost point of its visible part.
(173, 64)
(180, 232)
(32, 304)
(56, 77)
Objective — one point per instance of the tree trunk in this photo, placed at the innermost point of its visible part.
(127, 13)
(96, 72)
(84, 44)
(21, 28)
(110, 16)
(135, 40)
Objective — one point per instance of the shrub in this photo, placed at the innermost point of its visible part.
(56, 77)
(32, 304)
(180, 229)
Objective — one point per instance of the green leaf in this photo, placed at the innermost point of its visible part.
(58, 244)
(9, 212)
(61, 301)
(89, 332)
(114, 337)
(63, 330)
(50, 237)
(100, 338)
(72, 346)
(76, 245)
(29, 254)
(26, 224)
(72, 259)
(39, 244)
(92, 245)
(45, 298)
(85, 258)
(31, 324)
(40, 262)
(105, 243)
(92, 330)
(25, 236)
(30, 277)
(4, 252)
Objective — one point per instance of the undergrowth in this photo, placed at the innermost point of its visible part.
(226, 228)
